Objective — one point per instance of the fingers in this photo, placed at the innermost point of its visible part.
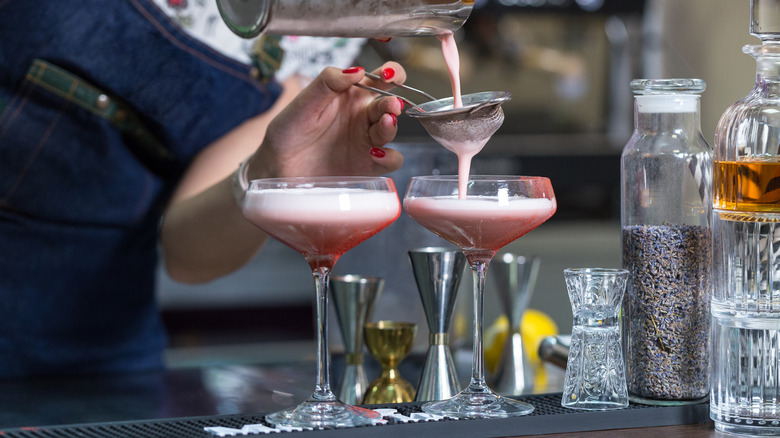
(379, 108)
(332, 81)
(319, 95)
(382, 132)
(383, 116)
(386, 160)
(391, 73)
(342, 109)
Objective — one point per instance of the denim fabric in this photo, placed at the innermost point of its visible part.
(78, 209)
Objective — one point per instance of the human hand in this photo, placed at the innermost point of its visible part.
(334, 128)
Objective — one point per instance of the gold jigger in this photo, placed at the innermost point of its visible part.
(389, 342)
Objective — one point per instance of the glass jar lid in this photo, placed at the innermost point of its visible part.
(667, 86)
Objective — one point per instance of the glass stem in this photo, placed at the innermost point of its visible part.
(322, 391)
(477, 383)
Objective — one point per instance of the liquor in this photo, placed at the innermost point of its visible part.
(748, 184)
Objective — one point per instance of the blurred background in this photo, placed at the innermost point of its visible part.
(568, 64)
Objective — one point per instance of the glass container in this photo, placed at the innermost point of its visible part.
(342, 18)
(595, 373)
(745, 395)
(666, 242)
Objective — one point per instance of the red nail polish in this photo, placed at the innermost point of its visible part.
(379, 153)
(402, 103)
(395, 119)
(388, 73)
(351, 70)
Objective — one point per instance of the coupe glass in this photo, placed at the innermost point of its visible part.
(495, 211)
(322, 218)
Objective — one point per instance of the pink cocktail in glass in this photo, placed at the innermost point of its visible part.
(321, 223)
(322, 218)
(479, 225)
(495, 211)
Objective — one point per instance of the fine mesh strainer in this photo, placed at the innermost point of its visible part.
(475, 122)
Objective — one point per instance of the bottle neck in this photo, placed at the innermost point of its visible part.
(676, 114)
(767, 56)
(768, 75)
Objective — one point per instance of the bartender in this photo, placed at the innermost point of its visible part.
(120, 137)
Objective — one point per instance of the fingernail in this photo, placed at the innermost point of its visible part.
(402, 103)
(395, 119)
(388, 73)
(351, 70)
(379, 153)
(383, 40)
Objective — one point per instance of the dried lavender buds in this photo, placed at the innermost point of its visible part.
(666, 315)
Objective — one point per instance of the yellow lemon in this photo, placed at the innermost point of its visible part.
(493, 341)
(460, 327)
(535, 326)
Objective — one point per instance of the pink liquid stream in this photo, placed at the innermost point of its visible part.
(450, 52)
(465, 151)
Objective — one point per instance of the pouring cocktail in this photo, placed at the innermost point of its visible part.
(322, 218)
(495, 211)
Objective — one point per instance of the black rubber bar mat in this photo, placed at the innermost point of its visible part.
(548, 417)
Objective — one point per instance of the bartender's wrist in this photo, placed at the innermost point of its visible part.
(240, 181)
(248, 170)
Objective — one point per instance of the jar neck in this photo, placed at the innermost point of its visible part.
(667, 113)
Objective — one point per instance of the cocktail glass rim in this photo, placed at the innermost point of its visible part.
(323, 179)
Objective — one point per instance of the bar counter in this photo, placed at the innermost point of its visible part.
(240, 386)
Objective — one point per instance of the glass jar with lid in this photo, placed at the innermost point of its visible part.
(666, 244)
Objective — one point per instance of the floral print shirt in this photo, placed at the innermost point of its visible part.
(302, 55)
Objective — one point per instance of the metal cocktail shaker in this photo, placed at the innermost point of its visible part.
(341, 18)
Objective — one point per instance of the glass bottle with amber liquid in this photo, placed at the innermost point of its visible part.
(745, 380)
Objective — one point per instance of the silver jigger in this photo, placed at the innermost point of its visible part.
(514, 277)
(437, 272)
(353, 298)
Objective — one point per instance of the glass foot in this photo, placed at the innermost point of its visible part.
(478, 405)
(321, 414)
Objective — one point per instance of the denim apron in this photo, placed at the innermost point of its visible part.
(103, 104)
